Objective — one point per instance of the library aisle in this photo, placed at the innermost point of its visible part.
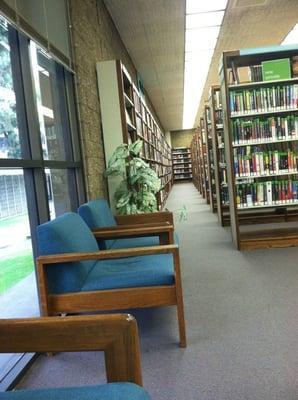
(241, 316)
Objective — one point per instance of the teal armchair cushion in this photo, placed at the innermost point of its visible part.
(130, 272)
(110, 391)
(66, 234)
(97, 214)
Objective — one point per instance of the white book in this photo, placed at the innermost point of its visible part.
(269, 192)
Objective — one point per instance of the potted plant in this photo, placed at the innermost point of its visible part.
(137, 191)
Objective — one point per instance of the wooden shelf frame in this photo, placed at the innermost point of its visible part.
(258, 237)
(210, 158)
(126, 117)
(204, 160)
(218, 148)
(196, 161)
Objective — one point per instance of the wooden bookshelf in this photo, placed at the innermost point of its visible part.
(195, 161)
(126, 117)
(210, 158)
(204, 160)
(182, 166)
(261, 143)
(218, 145)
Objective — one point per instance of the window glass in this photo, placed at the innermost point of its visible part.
(59, 183)
(9, 134)
(18, 292)
(50, 106)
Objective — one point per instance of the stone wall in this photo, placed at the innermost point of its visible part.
(182, 138)
(94, 38)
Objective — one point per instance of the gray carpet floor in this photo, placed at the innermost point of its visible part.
(241, 315)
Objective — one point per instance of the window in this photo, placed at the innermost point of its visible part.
(40, 166)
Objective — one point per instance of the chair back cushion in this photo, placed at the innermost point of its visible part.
(66, 234)
(97, 214)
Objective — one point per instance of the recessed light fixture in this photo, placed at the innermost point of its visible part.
(292, 36)
(203, 22)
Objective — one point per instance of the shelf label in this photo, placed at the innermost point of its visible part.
(276, 69)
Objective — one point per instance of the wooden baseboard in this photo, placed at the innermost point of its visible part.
(268, 239)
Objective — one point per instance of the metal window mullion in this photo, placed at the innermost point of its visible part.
(38, 174)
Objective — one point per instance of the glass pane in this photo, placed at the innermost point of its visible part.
(9, 134)
(59, 192)
(49, 96)
(18, 292)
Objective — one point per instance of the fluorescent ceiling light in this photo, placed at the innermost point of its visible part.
(201, 39)
(198, 6)
(202, 20)
(292, 36)
(199, 55)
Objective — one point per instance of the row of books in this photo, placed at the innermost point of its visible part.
(224, 194)
(268, 129)
(217, 99)
(161, 170)
(267, 193)
(255, 73)
(254, 161)
(164, 180)
(218, 117)
(264, 99)
(183, 176)
(151, 153)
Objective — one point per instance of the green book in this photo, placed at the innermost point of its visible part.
(276, 69)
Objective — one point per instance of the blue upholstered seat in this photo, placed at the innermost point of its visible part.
(69, 234)
(110, 391)
(97, 214)
(142, 271)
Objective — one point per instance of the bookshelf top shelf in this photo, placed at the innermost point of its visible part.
(268, 206)
(255, 142)
(281, 173)
(256, 113)
(260, 83)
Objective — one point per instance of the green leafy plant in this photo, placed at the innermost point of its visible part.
(136, 192)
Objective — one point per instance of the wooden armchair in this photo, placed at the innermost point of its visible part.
(138, 230)
(75, 277)
(116, 335)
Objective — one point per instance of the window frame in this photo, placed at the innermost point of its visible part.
(32, 162)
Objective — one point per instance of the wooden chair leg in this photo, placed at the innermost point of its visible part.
(179, 298)
(181, 320)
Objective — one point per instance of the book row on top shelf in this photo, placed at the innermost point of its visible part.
(131, 120)
(260, 98)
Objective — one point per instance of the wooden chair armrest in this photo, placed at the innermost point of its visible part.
(135, 231)
(156, 217)
(106, 254)
(116, 335)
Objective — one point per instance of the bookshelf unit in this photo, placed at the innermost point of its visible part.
(195, 162)
(204, 161)
(210, 159)
(126, 118)
(261, 139)
(220, 165)
(182, 166)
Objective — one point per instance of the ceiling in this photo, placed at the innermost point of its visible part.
(153, 33)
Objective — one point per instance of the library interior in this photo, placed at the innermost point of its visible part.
(148, 199)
